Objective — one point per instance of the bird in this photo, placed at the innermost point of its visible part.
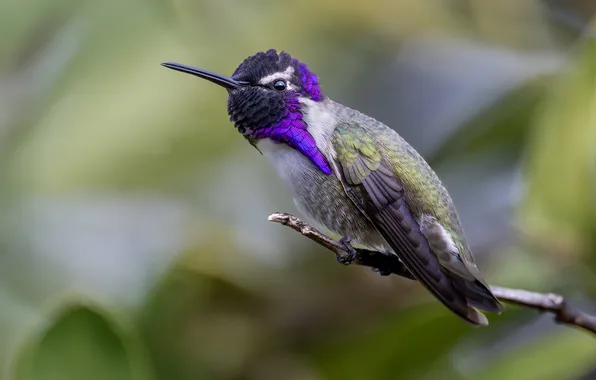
(354, 177)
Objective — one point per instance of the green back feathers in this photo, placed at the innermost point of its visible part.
(359, 148)
(356, 150)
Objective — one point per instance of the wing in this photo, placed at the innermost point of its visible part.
(379, 194)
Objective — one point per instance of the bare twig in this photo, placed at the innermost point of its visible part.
(545, 302)
(548, 302)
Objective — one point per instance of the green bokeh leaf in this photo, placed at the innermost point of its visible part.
(410, 345)
(82, 343)
(560, 169)
(503, 126)
(562, 355)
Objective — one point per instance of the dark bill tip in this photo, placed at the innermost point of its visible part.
(222, 80)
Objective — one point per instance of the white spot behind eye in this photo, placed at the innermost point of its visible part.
(285, 75)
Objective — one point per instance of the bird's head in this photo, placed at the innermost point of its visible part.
(264, 90)
(268, 95)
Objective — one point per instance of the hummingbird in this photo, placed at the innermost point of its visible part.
(354, 177)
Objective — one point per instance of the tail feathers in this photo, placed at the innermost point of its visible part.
(477, 318)
(477, 296)
(480, 296)
(464, 297)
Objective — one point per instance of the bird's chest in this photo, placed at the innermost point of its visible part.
(319, 197)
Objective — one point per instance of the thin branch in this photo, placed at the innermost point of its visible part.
(544, 302)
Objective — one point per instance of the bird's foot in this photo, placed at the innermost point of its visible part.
(350, 253)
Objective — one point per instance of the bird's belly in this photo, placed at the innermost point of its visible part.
(320, 197)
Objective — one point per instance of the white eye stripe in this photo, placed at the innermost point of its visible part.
(285, 75)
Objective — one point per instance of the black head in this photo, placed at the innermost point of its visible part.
(263, 90)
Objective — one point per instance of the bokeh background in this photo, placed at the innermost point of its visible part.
(134, 241)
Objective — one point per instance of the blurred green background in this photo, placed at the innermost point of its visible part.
(134, 239)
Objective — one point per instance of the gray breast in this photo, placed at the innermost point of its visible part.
(319, 197)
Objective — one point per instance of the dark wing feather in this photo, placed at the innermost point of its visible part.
(379, 193)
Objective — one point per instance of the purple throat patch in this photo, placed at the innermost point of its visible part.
(310, 82)
(292, 131)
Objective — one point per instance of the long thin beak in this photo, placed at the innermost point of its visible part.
(222, 80)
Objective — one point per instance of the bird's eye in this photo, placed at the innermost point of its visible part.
(279, 85)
